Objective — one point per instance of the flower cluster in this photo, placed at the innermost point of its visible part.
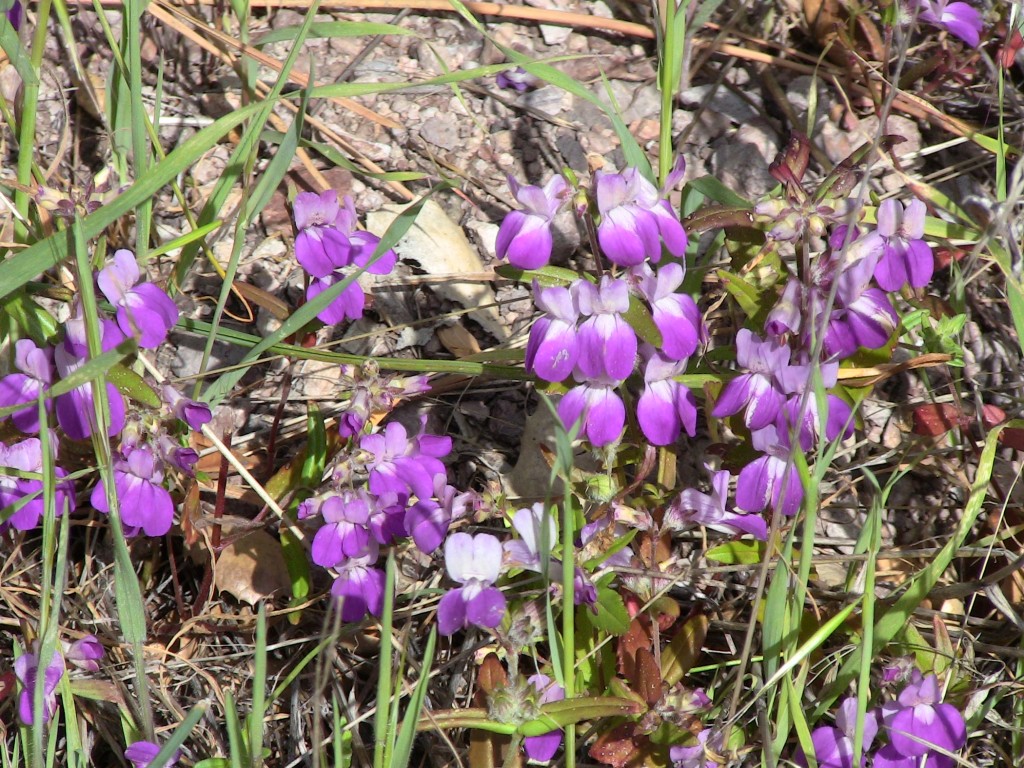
(143, 312)
(330, 249)
(917, 726)
(584, 333)
(837, 306)
(393, 486)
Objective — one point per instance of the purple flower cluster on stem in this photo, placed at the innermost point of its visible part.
(328, 246)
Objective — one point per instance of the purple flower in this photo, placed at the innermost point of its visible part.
(801, 408)
(524, 237)
(961, 19)
(143, 502)
(143, 310)
(360, 587)
(598, 408)
(346, 533)
(475, 563)
(614, 525)
(906, 257)
(400, 464)
(763, 481)
(517, 78)
(758, 391)
(635, 219)
(15, 13)
(192, 412)
(675, 314)
(176, 455)
(542, 748)
(530, 523)
(26, 669)
(75, 408)
(924, 724)
(607, 343)
(710, 511)
(427, 522)
(27, 456)
(666, 407)
(553, 348)
(36, 366)
(327, 244)
(833, 747)
(696, 756)
(84, 653)
(141, 754)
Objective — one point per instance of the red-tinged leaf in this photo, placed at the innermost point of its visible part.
(621, 747)
(937, 419)
(992, 415)
(648, 677)
(6, 685)
(491, 676)
(1013, 438)
(638, 636)
(1008, 52)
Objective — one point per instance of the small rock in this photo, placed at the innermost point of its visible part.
(554, 35)
(442, 132)
(549, 100)
(723, 101)
(741, 161)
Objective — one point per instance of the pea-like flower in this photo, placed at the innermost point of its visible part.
(542, 748)
(607, 343)
(598, 408)
(346, 533)
(553, 348)
(635, 219)
(192, 412)
(833, 746)
(759, 391)
(960, 19)
(906, 258)
(675, 314)
(401, 464)
(27, 456)
(537, 535)
(144, 311)
(712, 511)
(26, 669)
(144, 503)
(923, 725)
(524, 238)
(360, 586)
(475, 563)
(36, 375)
(771, 480)
(666, 407)
(141, 754)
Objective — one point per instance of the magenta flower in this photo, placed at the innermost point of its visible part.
(598, 408)
(27, 456)
(475, 563)
(675, 314)
(666, 407)
(517, 78)
(36, 366)
(143, 310)
(346, 533)
(427, 523)
(801, 408)
(542, 748)
(75, 408)
(697, 756)
(833, 747)
(524, 237)
(141, 754)
(960, 19)
(711, 511)
(759, 391)
(15, 13)
(635, 219)
(328, 244)
(771, 480)
(144, 503)
(922, 725)
(26, 669)
(402, 465)
(536, 528)
(906, 257)
(553, 349)
(84, 653)
(607, 343)
(360, 586)
(192, 412)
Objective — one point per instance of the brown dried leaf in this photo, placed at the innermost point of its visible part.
(457, 340)
(252, 568)
(621, 747)
(684, 648)
(933, 419)
(648, 677)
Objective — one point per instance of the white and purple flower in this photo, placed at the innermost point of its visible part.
(475, 563)
(524, 238)
(635, 219)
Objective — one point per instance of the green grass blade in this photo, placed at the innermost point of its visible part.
(407, 733)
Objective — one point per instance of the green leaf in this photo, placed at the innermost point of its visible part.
(746, 295)
(745, 552)
(715, 190)
(334, 29)
(612, 616)
(640, 320)
(34, 321)
(133, 386)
